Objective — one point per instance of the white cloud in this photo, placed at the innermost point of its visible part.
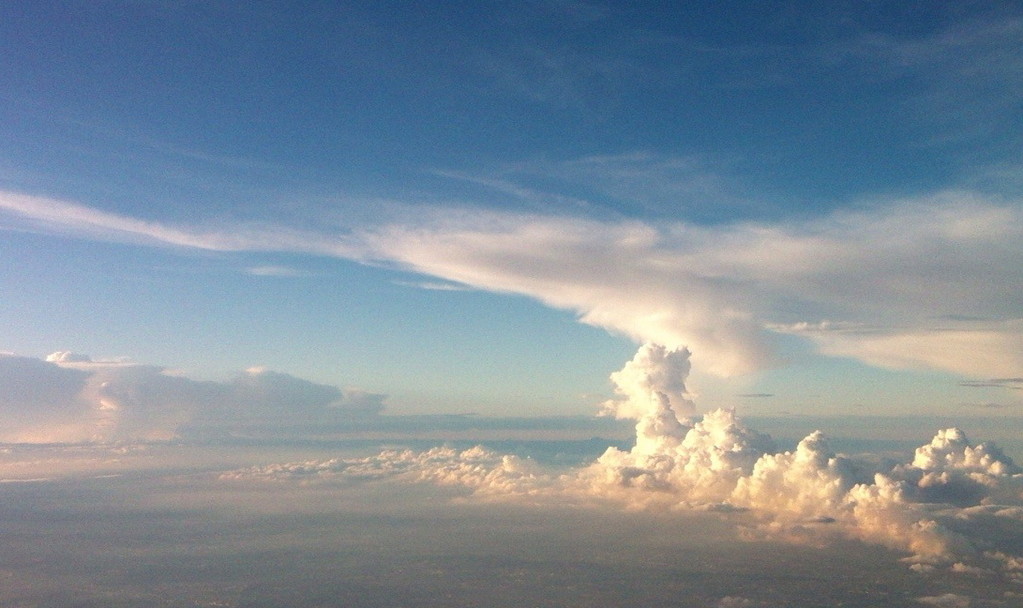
(434, 285)
(485, 472)
(654, 374)
(973, 349)
(37, 213)
(806, 494)
(617, 276)
(276, 271)
(66, 356)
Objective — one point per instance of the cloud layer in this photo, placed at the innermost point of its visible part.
(926, 283)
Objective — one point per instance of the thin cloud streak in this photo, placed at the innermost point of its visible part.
(967, 79)
(53, 216)
(1010, 383)
(276, 271)
(434, 286)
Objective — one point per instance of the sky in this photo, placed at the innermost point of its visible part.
(477, 303)
(425, 202)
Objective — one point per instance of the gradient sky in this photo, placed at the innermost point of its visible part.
(824, 204)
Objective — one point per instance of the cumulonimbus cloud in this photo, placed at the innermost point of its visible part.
(928, 283)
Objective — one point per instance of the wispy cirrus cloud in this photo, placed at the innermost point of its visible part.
(52, 215)
(276, 271)
(636, 183)
(964, 81)
(434, 285)
(55, 216)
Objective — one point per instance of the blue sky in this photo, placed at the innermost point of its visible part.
(422, 201)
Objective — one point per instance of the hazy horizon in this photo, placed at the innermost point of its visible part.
(267, 522)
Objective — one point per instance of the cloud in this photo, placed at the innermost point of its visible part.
(39, 401)
(718, 462)
(634, 183)
(1010, 383)
(964, 80)
(990, 405)
(434, 285)
(261, 393)
(276, 271)
(655, 375)
(616, 276)
(78, 220)
(969, 350)
(37, 213)
(484, 472)
(71, 398)
(941, 273)
(807, 494)
(66, 356)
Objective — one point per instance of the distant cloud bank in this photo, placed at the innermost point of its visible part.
(71, 398)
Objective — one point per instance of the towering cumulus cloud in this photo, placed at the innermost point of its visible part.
(654, 378)
(954, 501)
(699, 460)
